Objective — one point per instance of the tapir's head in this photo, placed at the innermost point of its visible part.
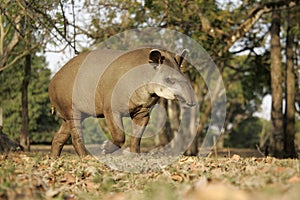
(168, 82)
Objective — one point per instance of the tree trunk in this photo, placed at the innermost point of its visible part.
(173, 114)
(290, 83)
(163, 137)
(193, 150)
(24, 135)
(1, 119)
(277, 134)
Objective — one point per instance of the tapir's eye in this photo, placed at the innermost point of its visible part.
(169, 80)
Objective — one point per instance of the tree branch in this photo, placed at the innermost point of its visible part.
(207, 28)
(254, 16)
(16, 36)
(2, 36)
(17, 58)
(7, 50)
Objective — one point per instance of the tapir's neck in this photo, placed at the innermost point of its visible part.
(144, 96)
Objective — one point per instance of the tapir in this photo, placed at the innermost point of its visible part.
(114, 84)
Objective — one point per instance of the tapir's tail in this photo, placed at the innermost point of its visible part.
(52, 110)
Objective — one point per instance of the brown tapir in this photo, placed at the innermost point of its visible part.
(115, 84)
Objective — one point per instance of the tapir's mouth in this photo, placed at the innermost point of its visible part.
(182, 100)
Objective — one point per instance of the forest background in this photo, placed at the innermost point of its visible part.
(255, 45)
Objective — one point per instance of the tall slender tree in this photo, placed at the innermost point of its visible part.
(277, 136)
(290, 83)
(24, 133)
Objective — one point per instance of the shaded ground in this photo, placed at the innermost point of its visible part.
(226, 152)
(6, 144)
(35, 176)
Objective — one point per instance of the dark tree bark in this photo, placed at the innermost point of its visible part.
(24, 135)
(277, 134)
(1, 119)
(290, 82)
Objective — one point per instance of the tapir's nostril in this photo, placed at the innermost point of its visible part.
(183, 100)
(191, 104)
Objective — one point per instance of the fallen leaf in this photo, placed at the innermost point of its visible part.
(235, 157)
(269, 159)
(177, 178)
(294, 179)
(186, 159)
(68, 179)
(90, 170)
(279, 169)
(91, 185)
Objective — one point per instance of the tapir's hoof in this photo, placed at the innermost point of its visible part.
(54, 154)
(82, 152)
(109, 147)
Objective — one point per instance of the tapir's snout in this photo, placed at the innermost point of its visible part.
(186, 94)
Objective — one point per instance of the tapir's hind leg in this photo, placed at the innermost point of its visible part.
(77, 138)
(60, 138)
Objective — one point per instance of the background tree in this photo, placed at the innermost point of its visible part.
(290, 83)
(26, 27)
(277, 137)
(282, 140)
(41, 123)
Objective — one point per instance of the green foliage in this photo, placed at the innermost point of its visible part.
(41, 123)
(92, 131)
(245, 134)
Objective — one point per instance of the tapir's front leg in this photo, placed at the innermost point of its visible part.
(115, 126)
(139, 123)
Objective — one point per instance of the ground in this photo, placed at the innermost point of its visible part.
(220, 176)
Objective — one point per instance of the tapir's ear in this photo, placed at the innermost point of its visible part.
(155, 57)
(182, 58)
